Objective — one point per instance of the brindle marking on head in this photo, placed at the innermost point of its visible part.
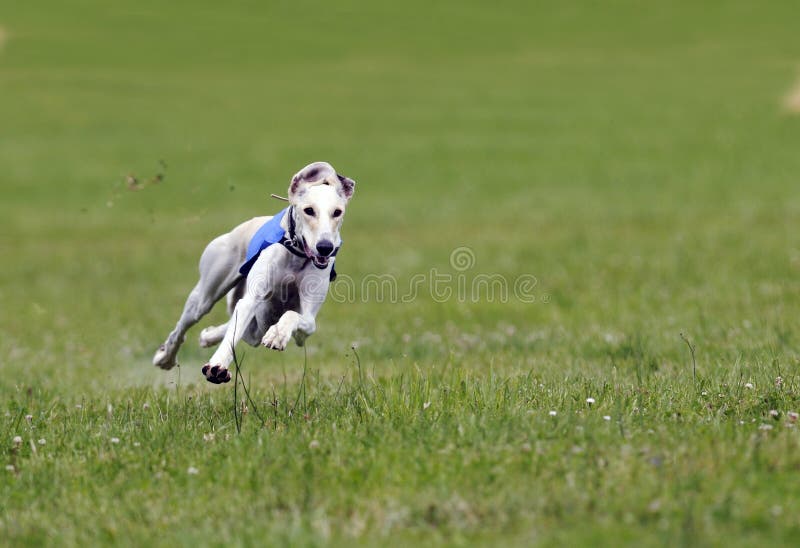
(323, 174)
(348, 185)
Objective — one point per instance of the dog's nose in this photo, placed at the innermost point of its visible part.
(324, 247)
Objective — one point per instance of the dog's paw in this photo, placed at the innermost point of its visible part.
(276, 338)
(163, 359)
(216, 374)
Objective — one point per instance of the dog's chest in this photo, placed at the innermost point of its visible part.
(284, 296)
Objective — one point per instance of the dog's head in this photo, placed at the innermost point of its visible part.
(319, 196)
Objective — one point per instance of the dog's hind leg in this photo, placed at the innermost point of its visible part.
(235, 294)
(212, 335)
(218, 274)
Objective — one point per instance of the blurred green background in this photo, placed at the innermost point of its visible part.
(635, 159)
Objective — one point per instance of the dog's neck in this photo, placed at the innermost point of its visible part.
(289, 224)
(294, 262)
(298, 258)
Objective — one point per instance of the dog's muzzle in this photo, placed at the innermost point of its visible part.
(325, 250)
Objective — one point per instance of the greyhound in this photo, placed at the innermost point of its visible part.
(275, 271)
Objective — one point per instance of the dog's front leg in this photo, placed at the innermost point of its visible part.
(290, 324)
(216, 370)
(259, 283)
(300, 325)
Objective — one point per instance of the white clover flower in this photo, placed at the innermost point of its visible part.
(765, 427)
(793, 416)
(778, 381)
(748, 385)
(114, 440)
(208, 437)
(590, 401)
(553, 413)
(145, 406)
(192, 471)
(42, 441)
(606, 418)
(17, 440)
(773, 413)
(314, 444)
(29, 418)
(10, 467)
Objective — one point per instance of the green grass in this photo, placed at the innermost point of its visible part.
(635, 160)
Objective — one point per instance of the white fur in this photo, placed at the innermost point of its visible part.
(283, 293)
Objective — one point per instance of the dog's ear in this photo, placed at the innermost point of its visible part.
(348, 186)
(320, 173)
(312, 173)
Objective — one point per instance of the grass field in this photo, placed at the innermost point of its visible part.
(636, 161)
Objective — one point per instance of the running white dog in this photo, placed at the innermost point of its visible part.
(275, 271)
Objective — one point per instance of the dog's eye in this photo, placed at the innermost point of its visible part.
(337, 212)
(309, 211)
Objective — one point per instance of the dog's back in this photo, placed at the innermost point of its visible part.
(241, 235)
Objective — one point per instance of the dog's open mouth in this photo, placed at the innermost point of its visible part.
(318, 260)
